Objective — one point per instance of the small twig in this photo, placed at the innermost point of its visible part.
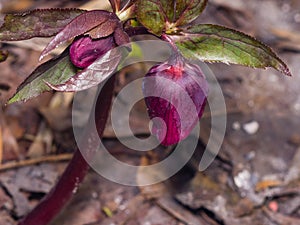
(178, 212)
(28, 162)
(280, 218)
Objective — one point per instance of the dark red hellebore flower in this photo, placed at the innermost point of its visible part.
(176, 95)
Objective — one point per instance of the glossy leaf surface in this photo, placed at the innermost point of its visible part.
(213, 43)
(159, 16)
(94, 74)
(55, 71)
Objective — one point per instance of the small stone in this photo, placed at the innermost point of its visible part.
(278, 164)
(251, 103)
(250, 155)
(236, 125)
(273, 206)
(251, 127)
(296, 107)
(286, 8)
(242, 180)
(297, 18)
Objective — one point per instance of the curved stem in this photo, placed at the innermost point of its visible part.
(167, 38)
(75, 172)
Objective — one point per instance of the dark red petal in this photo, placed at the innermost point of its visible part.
(191, 82)
(84, 50)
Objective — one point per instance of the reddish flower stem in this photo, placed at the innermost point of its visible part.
(75, 172)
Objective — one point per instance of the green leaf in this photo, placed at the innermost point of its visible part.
(36, 23)
(213, 43)
(187, 11)
(158, 16)
(95, 73)
(55, 71)
(151, 14)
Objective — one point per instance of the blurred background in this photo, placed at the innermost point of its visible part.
(254, 180)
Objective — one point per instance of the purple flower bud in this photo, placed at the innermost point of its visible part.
(176, 95)
(85, 50)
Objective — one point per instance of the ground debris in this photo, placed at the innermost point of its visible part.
(253, 181)
(27, 180)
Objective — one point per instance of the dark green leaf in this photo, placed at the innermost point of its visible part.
(94, 74)
(213, 43)
(158, 16)
(151, 14)
(188, 10)
(54, 71)
(36, 23)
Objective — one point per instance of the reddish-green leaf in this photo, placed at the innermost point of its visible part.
(104, 29)
(165, 15)
(80, 25)
(121, 37)
(55, 71)
(36, 23)
(94, 74)
(213, 43)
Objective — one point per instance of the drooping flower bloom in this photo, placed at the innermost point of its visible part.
(175, 92)
(84, 50)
